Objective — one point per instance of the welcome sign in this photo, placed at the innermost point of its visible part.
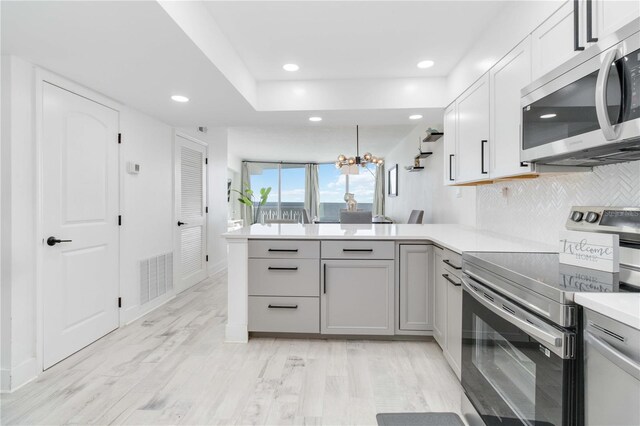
(590, 250)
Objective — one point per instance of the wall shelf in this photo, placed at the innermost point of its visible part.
(433, 136)
(423, 155)
(414, 168)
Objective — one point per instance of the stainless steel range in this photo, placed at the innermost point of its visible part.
(522, 333)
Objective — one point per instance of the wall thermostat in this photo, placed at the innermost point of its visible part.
(133, 168)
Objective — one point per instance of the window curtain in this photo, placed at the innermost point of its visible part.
(311, 190)
(378, 195)
(245, 178)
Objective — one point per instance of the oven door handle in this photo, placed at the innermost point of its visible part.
(618, 359)
(553, 340)
(609, 131)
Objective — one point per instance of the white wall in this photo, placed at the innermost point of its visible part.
(424, 190)
(18, 222)
(147, 204)
(147, 207)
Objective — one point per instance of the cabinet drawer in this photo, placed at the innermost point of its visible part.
(284, 277)
(284, 314)
(358, 249)
(452, 261)
(284, 249)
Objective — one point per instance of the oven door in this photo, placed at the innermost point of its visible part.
(516, 368)
(593, 105)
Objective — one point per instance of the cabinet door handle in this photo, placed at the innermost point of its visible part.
(451, 167)
(283, 306)
(448, 262)
(276, 268)
(590, 37)
(324, 278)
(446, 277)
(357, 250)
(284, 250)
(482, 145)
(576, 26)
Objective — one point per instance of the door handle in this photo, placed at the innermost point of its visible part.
(608, 129)
(482, 170)
(590, 37)
(52, 241)
(182, 223)
(576, 26)
(451, 167)
(446, 277)
(448, 262)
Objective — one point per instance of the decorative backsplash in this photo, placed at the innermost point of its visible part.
(537, 209)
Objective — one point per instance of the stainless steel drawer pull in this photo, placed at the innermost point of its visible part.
(607, 332)
(284, 250)
(451, 264)
(275, 268)
(283, 306)
(446, 277)
(357, 250)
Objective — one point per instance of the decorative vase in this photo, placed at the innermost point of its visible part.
(352, 204)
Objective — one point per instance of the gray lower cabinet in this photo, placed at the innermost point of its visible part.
(415, 289)
(439, 298)
(284, 314)
(453, 352)
(284, 286)
(357, 297)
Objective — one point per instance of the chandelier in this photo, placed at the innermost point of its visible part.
(350, 165)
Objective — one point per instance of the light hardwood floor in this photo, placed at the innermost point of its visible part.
(173, 367)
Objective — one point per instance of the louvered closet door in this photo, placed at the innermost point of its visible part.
(191, 218)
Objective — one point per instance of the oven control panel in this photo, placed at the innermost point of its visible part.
(620, 220)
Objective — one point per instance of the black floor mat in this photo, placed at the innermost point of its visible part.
(419, 419)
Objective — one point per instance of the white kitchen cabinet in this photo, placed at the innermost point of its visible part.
(473, 150)
(439, 298)
(507, 78)
(415, 287)
(611, 15)
(450, 142)
(453, 352)
(357, 297)
(562, 36)
(553, 41)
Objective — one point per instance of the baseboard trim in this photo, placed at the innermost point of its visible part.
(23, 373)
(136, 312)
(5, 381)
(217, 268)
(236, 333)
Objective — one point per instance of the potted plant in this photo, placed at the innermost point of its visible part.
(247, 197)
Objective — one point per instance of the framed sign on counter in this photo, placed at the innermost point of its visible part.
(392, 180)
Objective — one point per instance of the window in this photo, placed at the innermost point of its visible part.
(287, 182)
(333, 185)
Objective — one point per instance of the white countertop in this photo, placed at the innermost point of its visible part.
(623, 307)
(457, 238)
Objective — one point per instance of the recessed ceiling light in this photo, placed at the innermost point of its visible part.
(180, 98)
(548, 115)
(290, 67)
(425, 64)
(415, 117)
(315, 118)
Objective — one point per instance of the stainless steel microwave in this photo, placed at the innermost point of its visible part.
(587, 111)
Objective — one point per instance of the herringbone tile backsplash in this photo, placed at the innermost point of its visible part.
(537, 209)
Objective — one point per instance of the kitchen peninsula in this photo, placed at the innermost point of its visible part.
(333, 279)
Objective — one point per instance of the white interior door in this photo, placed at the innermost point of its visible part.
(80, 285)
(191, 223)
